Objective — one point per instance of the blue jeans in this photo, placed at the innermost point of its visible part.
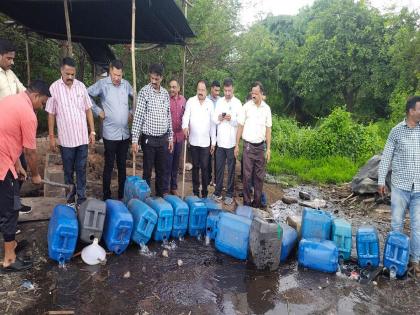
(400, 201)
(75, 159)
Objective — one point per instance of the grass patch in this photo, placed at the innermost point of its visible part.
(328, 170)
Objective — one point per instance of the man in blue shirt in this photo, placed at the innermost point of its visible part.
(113, 93)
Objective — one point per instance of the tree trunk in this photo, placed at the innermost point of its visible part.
(349, 96)
(80, 73)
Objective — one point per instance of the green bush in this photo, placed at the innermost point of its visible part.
(332, 169)
(330, 152)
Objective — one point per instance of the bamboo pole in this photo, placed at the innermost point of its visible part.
(185, 52)
(183, 93)
(66, 14)
(133, 65)
(28, 66)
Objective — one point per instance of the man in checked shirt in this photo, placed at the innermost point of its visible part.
(152, 120)
(402, 153)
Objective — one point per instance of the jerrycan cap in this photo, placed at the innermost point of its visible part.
(93, 254)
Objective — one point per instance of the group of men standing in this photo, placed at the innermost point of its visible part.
(161, 122)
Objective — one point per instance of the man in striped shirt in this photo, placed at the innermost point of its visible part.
(70, 105)
(152, 120)
(402, 153)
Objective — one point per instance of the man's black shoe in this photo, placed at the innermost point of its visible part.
(25, 209)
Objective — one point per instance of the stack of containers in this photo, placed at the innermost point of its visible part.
(316, 251)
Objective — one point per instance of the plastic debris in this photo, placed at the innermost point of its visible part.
(28, 285)
(94, 254)
(188, 166)
(165, 253)
(180, 262)
(127, 275)
(354, 275)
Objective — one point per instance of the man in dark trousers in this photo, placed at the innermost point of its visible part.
(177, 111)
(214, 96)
(11, 85)
(152, 120)
(201, 132)
(114, 93)
(254, 126)
(18, 125)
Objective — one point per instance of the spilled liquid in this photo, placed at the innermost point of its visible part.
(198, 279)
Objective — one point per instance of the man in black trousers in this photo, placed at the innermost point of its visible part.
(200, 130)
(152, 120)
(114, 93)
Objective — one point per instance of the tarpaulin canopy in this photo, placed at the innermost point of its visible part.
(96, 23)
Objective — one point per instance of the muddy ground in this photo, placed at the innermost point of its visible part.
(196, 279)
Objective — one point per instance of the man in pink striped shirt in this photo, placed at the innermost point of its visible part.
(70, 105)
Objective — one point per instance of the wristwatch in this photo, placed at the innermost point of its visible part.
(93, 133)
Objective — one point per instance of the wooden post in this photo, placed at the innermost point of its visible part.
(133, 65)
(185, 53)
(66, 15)
(133, 52)
(28, 66)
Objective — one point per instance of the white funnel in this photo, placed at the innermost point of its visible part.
(93, 254)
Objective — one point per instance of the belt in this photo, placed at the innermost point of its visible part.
(256, 144)
(156, 137)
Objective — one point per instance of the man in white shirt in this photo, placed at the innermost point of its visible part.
(214, 96)
(254, 126)
(200, 130)
(225, 117)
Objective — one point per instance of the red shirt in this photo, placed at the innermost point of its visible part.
(18, 125)
(177, 111)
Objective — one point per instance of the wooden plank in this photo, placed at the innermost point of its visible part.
(42, 208)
